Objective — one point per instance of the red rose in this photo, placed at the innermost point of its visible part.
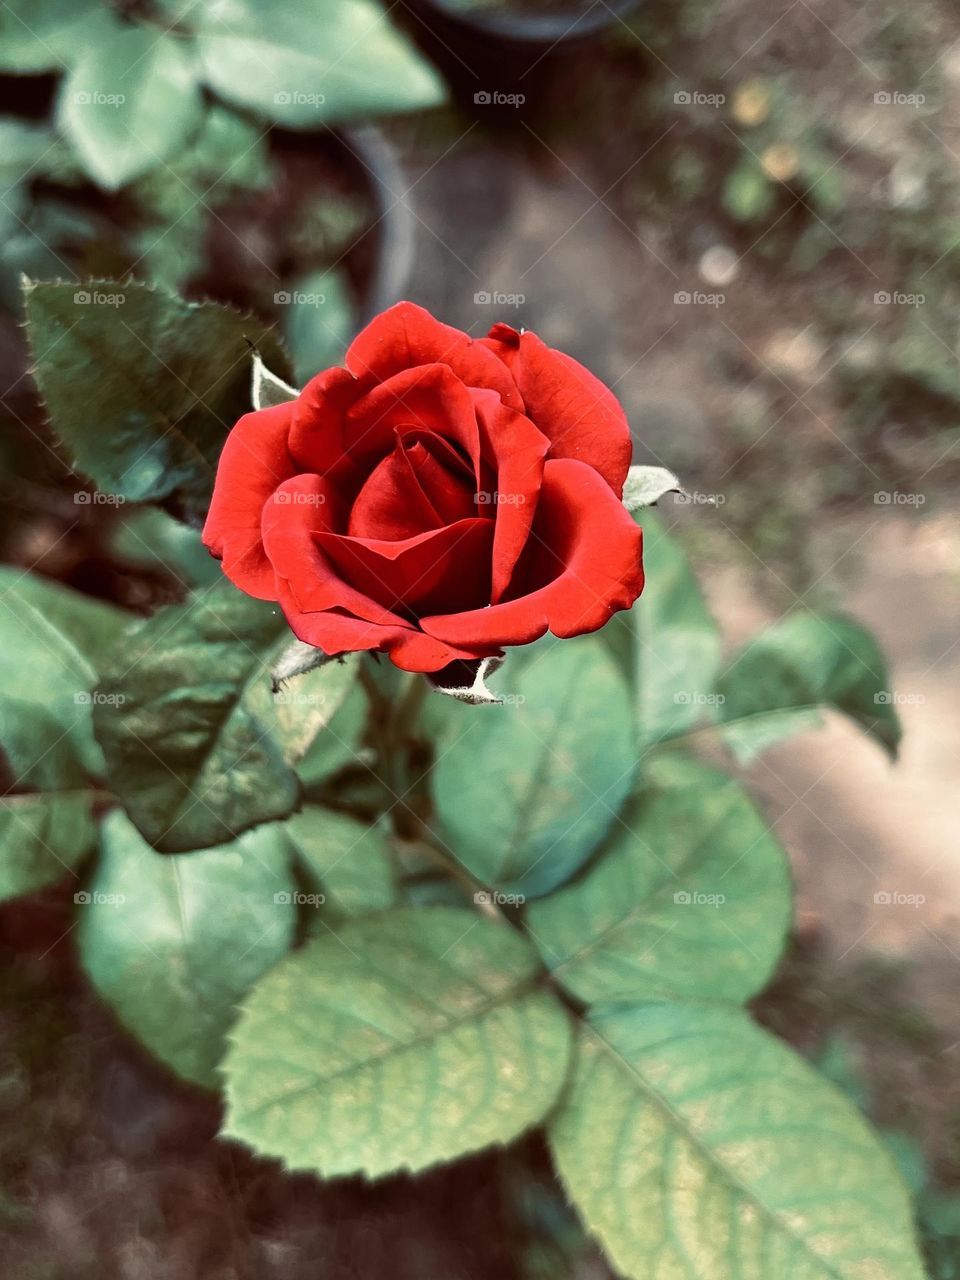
(438, 499)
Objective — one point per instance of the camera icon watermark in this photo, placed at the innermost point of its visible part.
(697, 298)
(94, 898)
(296, 98)
(295, 898)
(894, 898)
(98, 298)
(94, 498)
(896, 98)
(96, 98)
(494, 298)
(494, 898)
(686, 898)
(885, 298)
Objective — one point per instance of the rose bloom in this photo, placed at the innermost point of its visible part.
(437, 499)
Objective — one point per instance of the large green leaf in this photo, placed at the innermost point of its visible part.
(173, 943)
(131, 100)
(348, 861)
(46, 35)
(776, 683)
(150, 538)
(407, 1038)
(528, 789)
(338, 744)
(143, 389)
(303, 707)
(307, 63)
(43, 836)
(193, 763)
(696, 1145)
(46, 729)
(668, 640)
(90, 625)
(690, 900)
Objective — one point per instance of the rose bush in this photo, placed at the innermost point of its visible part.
(438, 499)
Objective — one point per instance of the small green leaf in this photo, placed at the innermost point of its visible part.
(560, 758)
(46, 730)
(776, 683)
(163, 379)
(670, 642)
(690, 900)
(131, 100)
(646, 485)
(148, 537)
(338, 744)
(91, 625)
(173, 943)
(268, 390)
(301, 708)
(695, 1144)
(308, 63)
(186, 733)
(318, 319)
(401, 1040)
(46, 35)
(43, 836)
(348, 861)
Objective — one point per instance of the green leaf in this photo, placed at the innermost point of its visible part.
(690, 900)
(308, 63)
(407, 1038)
(45, 35)
(775, 684)
(302, 708)
(46, 730)
(130, 102)
(90, 625)
(670, 642)
(339, 744)
(348, 861)
(559, 758)
(646, 485)
(269, 390)
(163, 380)
(318, 319)
(173, 943)
(193, 764)
(151, 539)
(695, 1144)
(42, 837)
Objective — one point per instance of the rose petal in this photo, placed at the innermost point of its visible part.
(254, 462)
(422, 485)
(516, 449)
(316, 433)
(582, 418)
(301, 509)
(406, 336)
(419, 574)
(583, 563)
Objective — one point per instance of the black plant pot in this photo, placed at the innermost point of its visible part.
(499, 62)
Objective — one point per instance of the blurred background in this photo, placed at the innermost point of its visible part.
(745, 218)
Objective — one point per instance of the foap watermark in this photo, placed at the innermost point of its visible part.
(495, 98)
(696, 98)
(94, 498)
(296, 698)
(884, 298)
(98, 298)
(294, 298)
(695, 498)
(295, 898)
(897, 98)
(896, 698)
(98, 699)
(894, 898)
(497, 498)
(297, 98)
(494, 898)
(894, 498)
(697, 698)
(695, 898)
(298, 498)
(697, 298)
(97, 98)
(94, 898)
(496, 298)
